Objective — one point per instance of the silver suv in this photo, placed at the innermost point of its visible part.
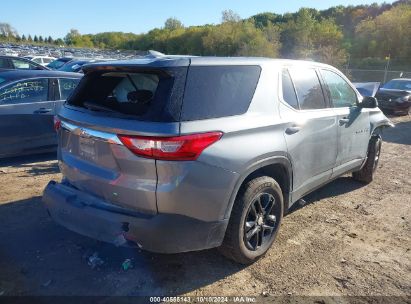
(175, 154)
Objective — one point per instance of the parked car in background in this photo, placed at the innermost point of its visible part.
(58, 63)
(18, 63)
(42, 60)
(28, 102)
(76, 65)
(175, 154)
(395, 96)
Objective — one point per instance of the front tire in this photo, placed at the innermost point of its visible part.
(366, 174)
(255, 220)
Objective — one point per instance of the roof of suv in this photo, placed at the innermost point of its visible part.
(177, 60)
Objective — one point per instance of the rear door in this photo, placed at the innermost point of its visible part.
(310, 129)
(353, 122)
(26, 117)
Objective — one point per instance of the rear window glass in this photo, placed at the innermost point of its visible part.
(218, 91)
(149, 95)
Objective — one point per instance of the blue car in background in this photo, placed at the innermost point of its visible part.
(29, 99)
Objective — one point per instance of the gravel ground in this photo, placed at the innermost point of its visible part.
(349, 239)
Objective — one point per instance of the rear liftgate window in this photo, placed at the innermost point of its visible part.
(218, 91)
(150, 95)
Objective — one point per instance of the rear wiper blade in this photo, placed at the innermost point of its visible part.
(97, 107)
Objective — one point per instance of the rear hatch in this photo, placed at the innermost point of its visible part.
(142, 98)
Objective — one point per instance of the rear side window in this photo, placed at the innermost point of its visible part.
(147, 95)
(218, 91)
(308, 88)
(35, 90)
(66, 87)
(288, 89)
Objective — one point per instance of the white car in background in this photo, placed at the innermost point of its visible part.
(43, 60)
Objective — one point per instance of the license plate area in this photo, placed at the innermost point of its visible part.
(87, 148)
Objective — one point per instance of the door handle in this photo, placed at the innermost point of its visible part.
(42, 111)
(292, 130)
(344, 121)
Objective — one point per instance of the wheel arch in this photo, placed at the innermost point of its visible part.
(378, 121)
(277, 167)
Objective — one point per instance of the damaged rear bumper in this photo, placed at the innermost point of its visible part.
(95, 218)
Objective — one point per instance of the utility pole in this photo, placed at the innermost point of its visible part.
(387, 65)
(348, 64)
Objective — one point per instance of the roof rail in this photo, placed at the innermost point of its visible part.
(155, 54)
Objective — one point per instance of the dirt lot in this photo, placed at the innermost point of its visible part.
(349, 239)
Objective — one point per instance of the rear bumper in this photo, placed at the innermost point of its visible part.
(95, 218)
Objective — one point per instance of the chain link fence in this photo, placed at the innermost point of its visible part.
(362, 75)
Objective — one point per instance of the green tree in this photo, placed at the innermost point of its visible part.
(173, 24)
(59, 41)
(388, 33)
(35, 39)
(72, 37)
(7, 32)
(230, 16)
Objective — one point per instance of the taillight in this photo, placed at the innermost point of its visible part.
(186, 147)
(57, 123)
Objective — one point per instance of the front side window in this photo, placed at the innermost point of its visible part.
(66, 87)
(27, 91)
(22, 65)
(288, 89)
(338, 90)
(308, 88)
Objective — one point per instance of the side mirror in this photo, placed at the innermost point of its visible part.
(368, 102)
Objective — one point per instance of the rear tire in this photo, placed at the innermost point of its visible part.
(366, 174)
(254, 221)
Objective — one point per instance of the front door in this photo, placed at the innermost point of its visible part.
(353, 122)
(310, 130)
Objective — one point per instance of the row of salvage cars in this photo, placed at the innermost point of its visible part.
(30, 97)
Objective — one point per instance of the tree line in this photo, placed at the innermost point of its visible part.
(365, 35)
